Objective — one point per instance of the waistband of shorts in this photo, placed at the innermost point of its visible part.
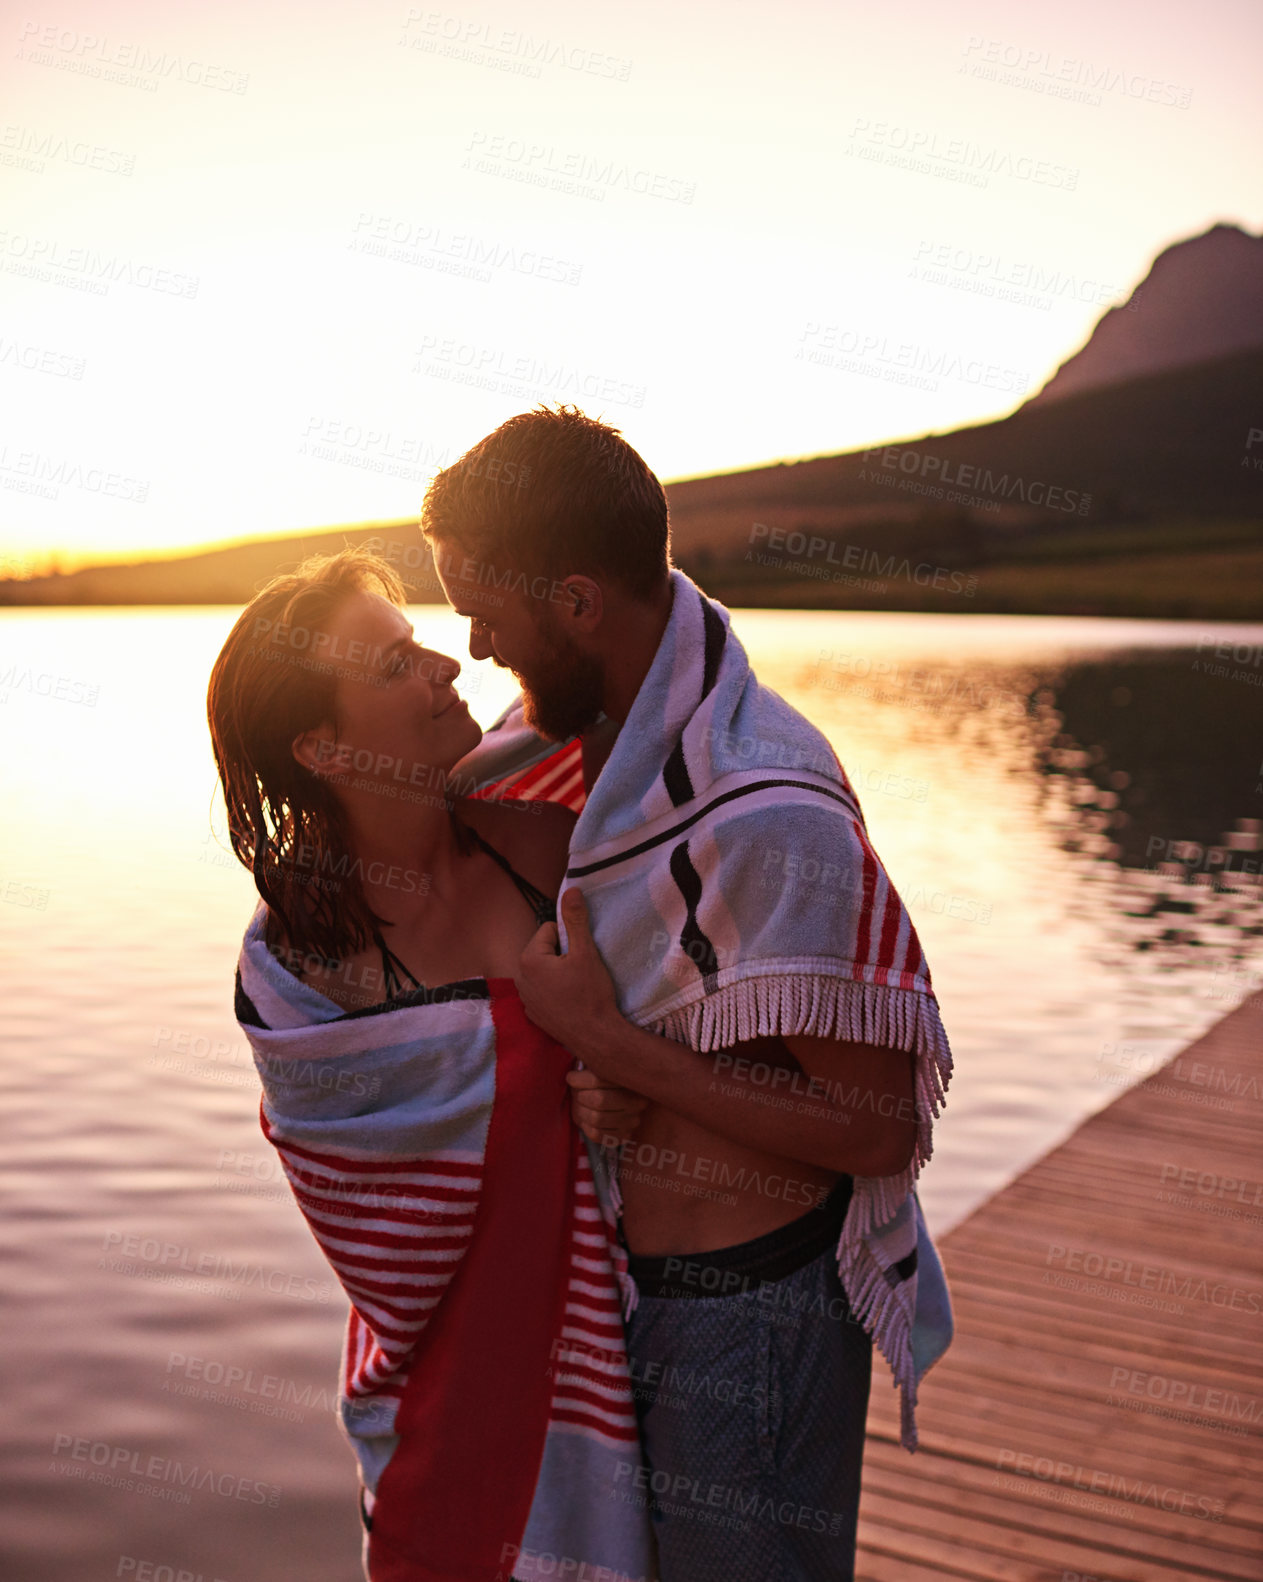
(743, 1267)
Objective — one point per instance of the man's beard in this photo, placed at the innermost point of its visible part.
(562, 695)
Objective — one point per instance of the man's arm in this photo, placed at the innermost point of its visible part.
(853, 1113)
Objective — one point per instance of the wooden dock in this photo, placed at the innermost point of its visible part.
(1099, 1414)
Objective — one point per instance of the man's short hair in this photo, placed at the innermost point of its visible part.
(553, 491)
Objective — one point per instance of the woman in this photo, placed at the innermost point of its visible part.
(422, 1120)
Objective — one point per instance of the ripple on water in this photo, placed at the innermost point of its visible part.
(1015, 775)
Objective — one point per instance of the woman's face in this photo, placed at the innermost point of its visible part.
(397, 715)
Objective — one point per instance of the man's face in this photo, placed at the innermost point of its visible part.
(519, 628)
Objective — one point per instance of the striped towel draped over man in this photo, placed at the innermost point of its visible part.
(485, 1385)
(733, 894)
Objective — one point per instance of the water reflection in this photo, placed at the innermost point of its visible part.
(1144, 762)
(1070, 810)
(1153, 767)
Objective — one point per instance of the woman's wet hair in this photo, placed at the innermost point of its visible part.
(270, 684)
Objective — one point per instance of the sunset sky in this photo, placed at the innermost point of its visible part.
(266, 267)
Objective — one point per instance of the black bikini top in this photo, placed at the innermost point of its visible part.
(542, 905)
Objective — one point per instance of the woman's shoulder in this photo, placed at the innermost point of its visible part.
(533, 836)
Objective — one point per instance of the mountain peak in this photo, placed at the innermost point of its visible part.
(1202, 298)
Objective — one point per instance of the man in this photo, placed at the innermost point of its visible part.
(767, 1196)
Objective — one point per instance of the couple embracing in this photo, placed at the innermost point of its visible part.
(620, 1188)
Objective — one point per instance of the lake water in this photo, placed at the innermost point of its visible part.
(1071, 809)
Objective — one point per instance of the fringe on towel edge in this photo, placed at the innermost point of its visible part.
(821, 1006)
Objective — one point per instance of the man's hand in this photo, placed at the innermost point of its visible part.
(604, 1114)
(858, 1117)
(572, 996)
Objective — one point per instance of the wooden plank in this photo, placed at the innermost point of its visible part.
(967, 1479)
(1038, 1460)
(1050, 1552)
(962, 1500)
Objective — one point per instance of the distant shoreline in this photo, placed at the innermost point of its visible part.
(1106, 502)
(1101, 592)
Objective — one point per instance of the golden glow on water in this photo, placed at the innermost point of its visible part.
(1020, 873)
(1014, 775)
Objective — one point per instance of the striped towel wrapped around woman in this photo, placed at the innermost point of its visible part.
(733, 894)
(485, 1385)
